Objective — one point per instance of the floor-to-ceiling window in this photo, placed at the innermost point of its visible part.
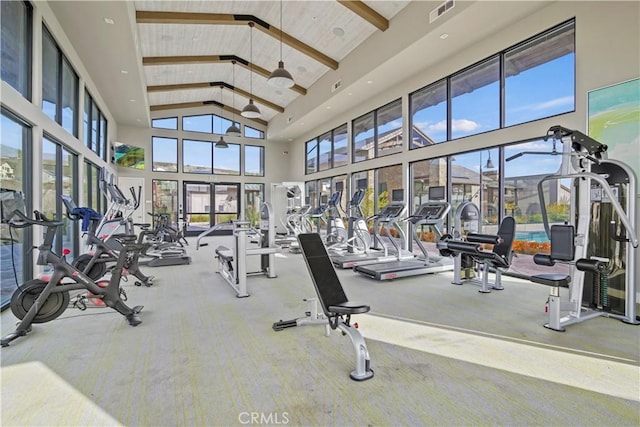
(60, 176)
(59, 85)
(164, 154)
(253, 160)
(428, 181)
(16, 45)
(15, 172)
(165, 199)
(95, 127)
(475, 178)
(253, 200)
(522, 174)
(364, 180)
(93, 194)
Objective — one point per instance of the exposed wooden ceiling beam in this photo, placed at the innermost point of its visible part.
(365, 12)
(161, 107)
(211, 59)
(148, 17)
(206, 85)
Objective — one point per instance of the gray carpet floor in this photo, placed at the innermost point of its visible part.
(442, 355)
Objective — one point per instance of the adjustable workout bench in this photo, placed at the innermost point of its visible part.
(333, 300)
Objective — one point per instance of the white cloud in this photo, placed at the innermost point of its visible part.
(538, 145)
(558, 102)
(464, 125)
(442, 125)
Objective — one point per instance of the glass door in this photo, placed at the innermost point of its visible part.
(197, 207)
(208, 204)
(226, 205)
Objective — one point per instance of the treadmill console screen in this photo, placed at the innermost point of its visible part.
(433, 212)
(392, 211)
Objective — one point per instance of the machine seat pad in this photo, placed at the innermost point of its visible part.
(348, 307)
(552, 279)
(225, 253)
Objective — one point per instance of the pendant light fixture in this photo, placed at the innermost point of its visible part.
(233, 129)
(251, 111)
(489, 164)
(221, 142)
(280, 77)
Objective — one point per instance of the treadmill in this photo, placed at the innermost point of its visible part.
(432, 214)
(388, 218)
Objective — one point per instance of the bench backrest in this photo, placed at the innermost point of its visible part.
(562, 242)
(322, 271)
(507, 232)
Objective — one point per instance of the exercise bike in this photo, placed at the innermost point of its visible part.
(96, 264)
(40, 301)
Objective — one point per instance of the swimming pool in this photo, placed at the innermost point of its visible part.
(532, 236)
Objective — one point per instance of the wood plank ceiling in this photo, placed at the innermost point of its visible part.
(188, 48)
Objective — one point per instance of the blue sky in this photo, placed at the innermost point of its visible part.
(542, 91)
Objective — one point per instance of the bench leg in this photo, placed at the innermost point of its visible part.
(363, 371)
(554, 307)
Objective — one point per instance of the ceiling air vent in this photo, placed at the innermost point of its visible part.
(337, 85)
(441, 10)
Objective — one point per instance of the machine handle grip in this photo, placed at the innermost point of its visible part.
(484, 238)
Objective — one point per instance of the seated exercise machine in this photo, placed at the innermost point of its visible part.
(336, 306)
(602, 236)
(40, 301)
(469, 255)
(563, 250)
(232, 263)
(432, 214)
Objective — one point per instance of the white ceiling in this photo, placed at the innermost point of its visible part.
(327, 26)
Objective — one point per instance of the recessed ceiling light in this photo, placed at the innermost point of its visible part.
(109, 21)
(328, 107)
(338, 32)
(166, 37)
(444, 36)
(290, 139)
(302, 68)
(278, 92)
(350, 93)
(124, 71)
(194, 38)
(138, 120)
(369, 82)
(132, 100)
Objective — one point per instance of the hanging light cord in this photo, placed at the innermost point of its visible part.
(281, 30)
(233, 93)
(251, 58)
